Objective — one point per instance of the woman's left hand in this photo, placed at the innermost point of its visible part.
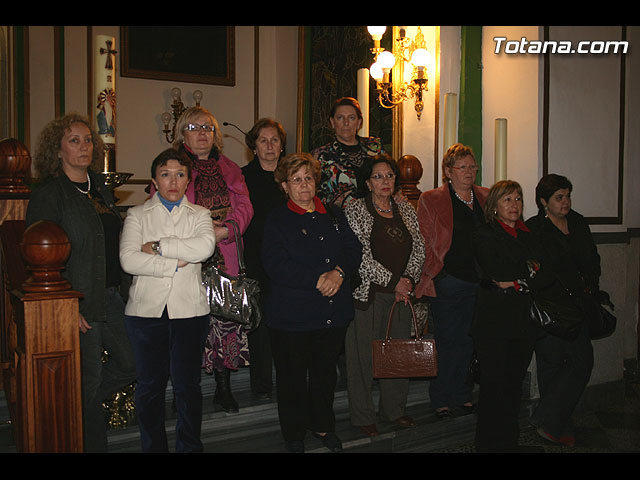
(220, 230)
(403, 290)
(329, 283)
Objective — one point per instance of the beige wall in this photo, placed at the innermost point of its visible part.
(512, 89)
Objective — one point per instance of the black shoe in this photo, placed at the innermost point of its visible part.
(468, 409)
(294, 446)
(330, 440)
(222, 398)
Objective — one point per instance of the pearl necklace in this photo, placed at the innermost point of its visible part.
(88, 186)
(470, 202)
(382, 210)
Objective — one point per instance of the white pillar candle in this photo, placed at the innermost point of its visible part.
(450, 120)
(501, 150)
(104, 95)
(363, 98)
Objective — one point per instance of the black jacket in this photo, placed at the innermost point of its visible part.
(501, 257)
(265, 195)
(574, 257)
(58, 200)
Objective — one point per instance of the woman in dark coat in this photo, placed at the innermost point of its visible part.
(563, 366)
(503, 334)
(308, 251)
(267, 140)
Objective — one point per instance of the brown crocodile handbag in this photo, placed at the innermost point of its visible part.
(404, 357)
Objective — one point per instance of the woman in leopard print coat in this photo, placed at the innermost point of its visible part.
(393, 253)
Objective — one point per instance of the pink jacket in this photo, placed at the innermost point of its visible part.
(241, 208)
(435, 216)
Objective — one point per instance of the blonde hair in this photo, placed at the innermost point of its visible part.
(496, 192)
(454, 153)
(187, 117)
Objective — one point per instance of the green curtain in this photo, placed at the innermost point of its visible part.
(470, 110)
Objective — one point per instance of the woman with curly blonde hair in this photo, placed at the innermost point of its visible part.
(73, 195)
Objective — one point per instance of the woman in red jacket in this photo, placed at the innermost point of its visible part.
(448, 215)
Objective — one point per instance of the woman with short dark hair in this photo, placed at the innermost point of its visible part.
(563, 366)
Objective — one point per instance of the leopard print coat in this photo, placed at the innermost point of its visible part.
(360, 219)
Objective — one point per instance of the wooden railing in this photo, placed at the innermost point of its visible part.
(39, 336)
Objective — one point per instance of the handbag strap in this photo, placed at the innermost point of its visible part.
(236, 232)
(413, 318)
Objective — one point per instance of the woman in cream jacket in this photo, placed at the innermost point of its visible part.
(163, 244)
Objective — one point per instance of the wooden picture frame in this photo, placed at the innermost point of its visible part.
(192, 54)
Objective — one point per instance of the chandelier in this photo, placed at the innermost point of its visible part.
(402, 73)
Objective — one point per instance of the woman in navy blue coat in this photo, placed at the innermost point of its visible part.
(308, 252)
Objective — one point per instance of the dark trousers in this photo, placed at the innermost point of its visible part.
(503, 366)
(564, 368)
(102, 379)
(306, 373)
(166, 348)
(261, 365)
(452, 312)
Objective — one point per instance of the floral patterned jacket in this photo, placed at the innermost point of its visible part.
(341, 167)
(360, 218)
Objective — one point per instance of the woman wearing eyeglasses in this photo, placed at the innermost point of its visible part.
(217, 184)
(392, 257)
(448, 216)
(308, 251)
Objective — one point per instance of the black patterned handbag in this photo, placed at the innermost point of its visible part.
(235, 298)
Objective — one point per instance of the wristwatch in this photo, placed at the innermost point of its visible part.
(339, 270)
(155, 246)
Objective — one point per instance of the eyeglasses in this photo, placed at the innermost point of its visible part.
(467, 168)
(299, 180)
(194, 127)
(379, 177)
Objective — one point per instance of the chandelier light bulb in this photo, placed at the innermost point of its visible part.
(420, 57)
(376, 72)
(175, 93)
(386, 60)
(376, 32)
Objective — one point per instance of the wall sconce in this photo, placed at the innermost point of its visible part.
(177, 108)
(408, 53)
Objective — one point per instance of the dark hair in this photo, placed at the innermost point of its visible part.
(252, 135)
(367, 170)
(349, 101)
(171, 154)
(548, 185)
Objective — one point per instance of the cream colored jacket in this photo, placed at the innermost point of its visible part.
(185, 233)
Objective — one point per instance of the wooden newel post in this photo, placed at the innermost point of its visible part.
(48, 369)
(410, 173)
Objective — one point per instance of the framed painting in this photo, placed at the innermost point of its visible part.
(193, 54)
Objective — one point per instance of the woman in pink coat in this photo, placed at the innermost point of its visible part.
(218, 184)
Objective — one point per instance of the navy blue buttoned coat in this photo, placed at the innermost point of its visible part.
(297, 248)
